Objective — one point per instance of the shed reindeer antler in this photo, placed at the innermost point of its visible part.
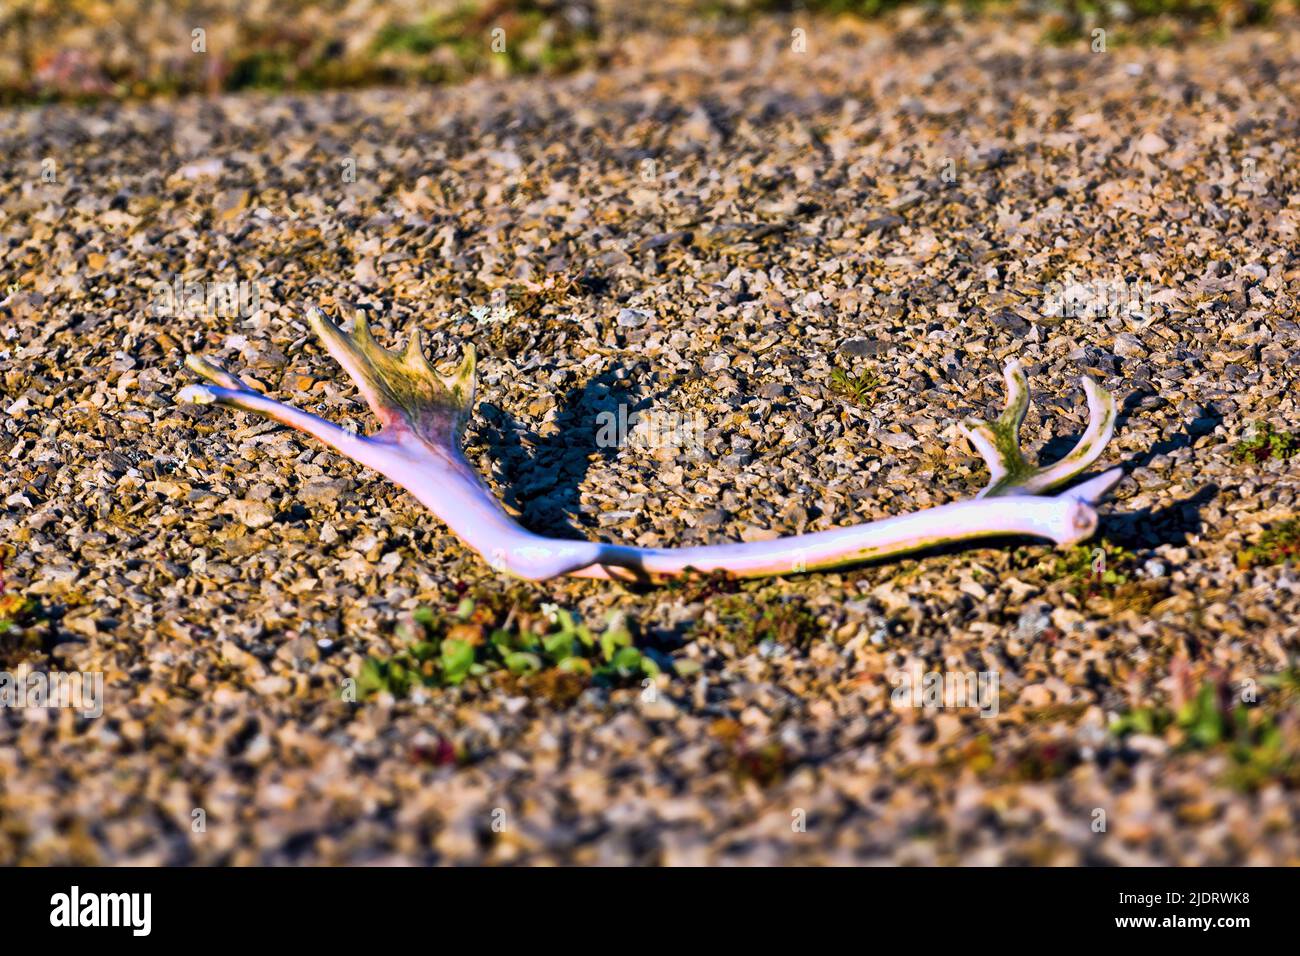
(423, 413)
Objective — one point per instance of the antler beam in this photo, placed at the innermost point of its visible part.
(423, 413)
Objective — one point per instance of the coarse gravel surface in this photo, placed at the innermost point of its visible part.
(705, 230)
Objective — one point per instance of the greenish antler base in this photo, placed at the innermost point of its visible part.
(998, 441)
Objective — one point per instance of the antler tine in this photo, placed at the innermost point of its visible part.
(998, 442)
(231, 390)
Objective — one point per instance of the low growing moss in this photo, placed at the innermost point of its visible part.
(19, 639)
(531, 39)
(1264, 444)
(860, 388)
(17, 611)
(747, 621)
(1264, 746)
(1097, 568)
(1151, 22)
(1278, 545)
(546, 648)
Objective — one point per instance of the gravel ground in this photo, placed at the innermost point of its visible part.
(706, 229)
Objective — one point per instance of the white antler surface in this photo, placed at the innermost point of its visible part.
(423, 412)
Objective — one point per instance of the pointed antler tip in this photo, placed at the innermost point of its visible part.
(196, 395)
(213, 372)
